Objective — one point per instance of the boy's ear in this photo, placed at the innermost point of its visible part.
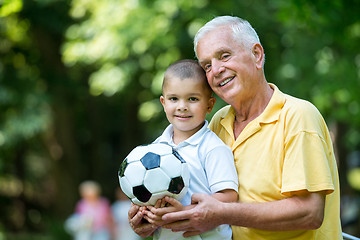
(162, 100)
(211, 104)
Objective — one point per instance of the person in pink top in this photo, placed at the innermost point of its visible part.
(92, 218)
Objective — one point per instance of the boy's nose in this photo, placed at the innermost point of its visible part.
(182, 106)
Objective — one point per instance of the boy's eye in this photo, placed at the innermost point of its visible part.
(173, 98)
(193, 99)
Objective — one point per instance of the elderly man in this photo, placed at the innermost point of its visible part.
(288, 180)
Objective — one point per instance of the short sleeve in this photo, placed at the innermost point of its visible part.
(307, 164)
(220, 169)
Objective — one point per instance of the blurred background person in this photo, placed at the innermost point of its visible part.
(120, 212)
(92, 219)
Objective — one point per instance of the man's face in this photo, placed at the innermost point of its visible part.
(230, 69)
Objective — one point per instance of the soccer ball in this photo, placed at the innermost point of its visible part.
(152, 172)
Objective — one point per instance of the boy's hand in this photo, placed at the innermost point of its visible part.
(162, 206)
(137, 222)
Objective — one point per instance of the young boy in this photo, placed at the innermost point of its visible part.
(186, 99)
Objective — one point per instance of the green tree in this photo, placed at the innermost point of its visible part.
(80, 81)
(320, 62)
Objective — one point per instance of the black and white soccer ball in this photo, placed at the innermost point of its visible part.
(152, 172)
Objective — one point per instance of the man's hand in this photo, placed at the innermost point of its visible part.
(162, 206)
(197, 220)
(138, 223)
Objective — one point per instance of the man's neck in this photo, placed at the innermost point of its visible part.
(247, 111)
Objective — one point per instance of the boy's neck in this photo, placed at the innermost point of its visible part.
(180, 136)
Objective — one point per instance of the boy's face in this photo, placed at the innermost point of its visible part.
(186, 102)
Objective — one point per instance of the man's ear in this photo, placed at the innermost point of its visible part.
(211, 104)
(258, 52)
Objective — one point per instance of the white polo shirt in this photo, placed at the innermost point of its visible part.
(212, 169)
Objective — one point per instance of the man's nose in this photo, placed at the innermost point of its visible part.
(217, 67)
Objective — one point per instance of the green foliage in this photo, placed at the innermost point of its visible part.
(26, 116)
(80, 82)
(321, 58)
(127, 41)
(23, 100)
(10, 6)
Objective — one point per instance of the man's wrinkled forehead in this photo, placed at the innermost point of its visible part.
(214, 43)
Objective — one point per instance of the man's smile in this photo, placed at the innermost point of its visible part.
(226, 81)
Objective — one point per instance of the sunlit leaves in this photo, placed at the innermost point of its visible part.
(104, 46)
(325, 60)
(288, 71)
(109, 79)
(157, 83)
(15, 31)
(322, 46)
(23, 125)
(194, 26)
(106, 98)
(149, 109)
(9, 7)
(354, 178)
(25, 112)
(117, 32)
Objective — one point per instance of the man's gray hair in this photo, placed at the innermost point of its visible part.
(243, 32)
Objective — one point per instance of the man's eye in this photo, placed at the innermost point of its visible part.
(225, 55)
(207, 67)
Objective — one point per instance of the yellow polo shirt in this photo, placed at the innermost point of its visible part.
(285, 149)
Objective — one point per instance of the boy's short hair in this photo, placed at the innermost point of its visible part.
(186, 68)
